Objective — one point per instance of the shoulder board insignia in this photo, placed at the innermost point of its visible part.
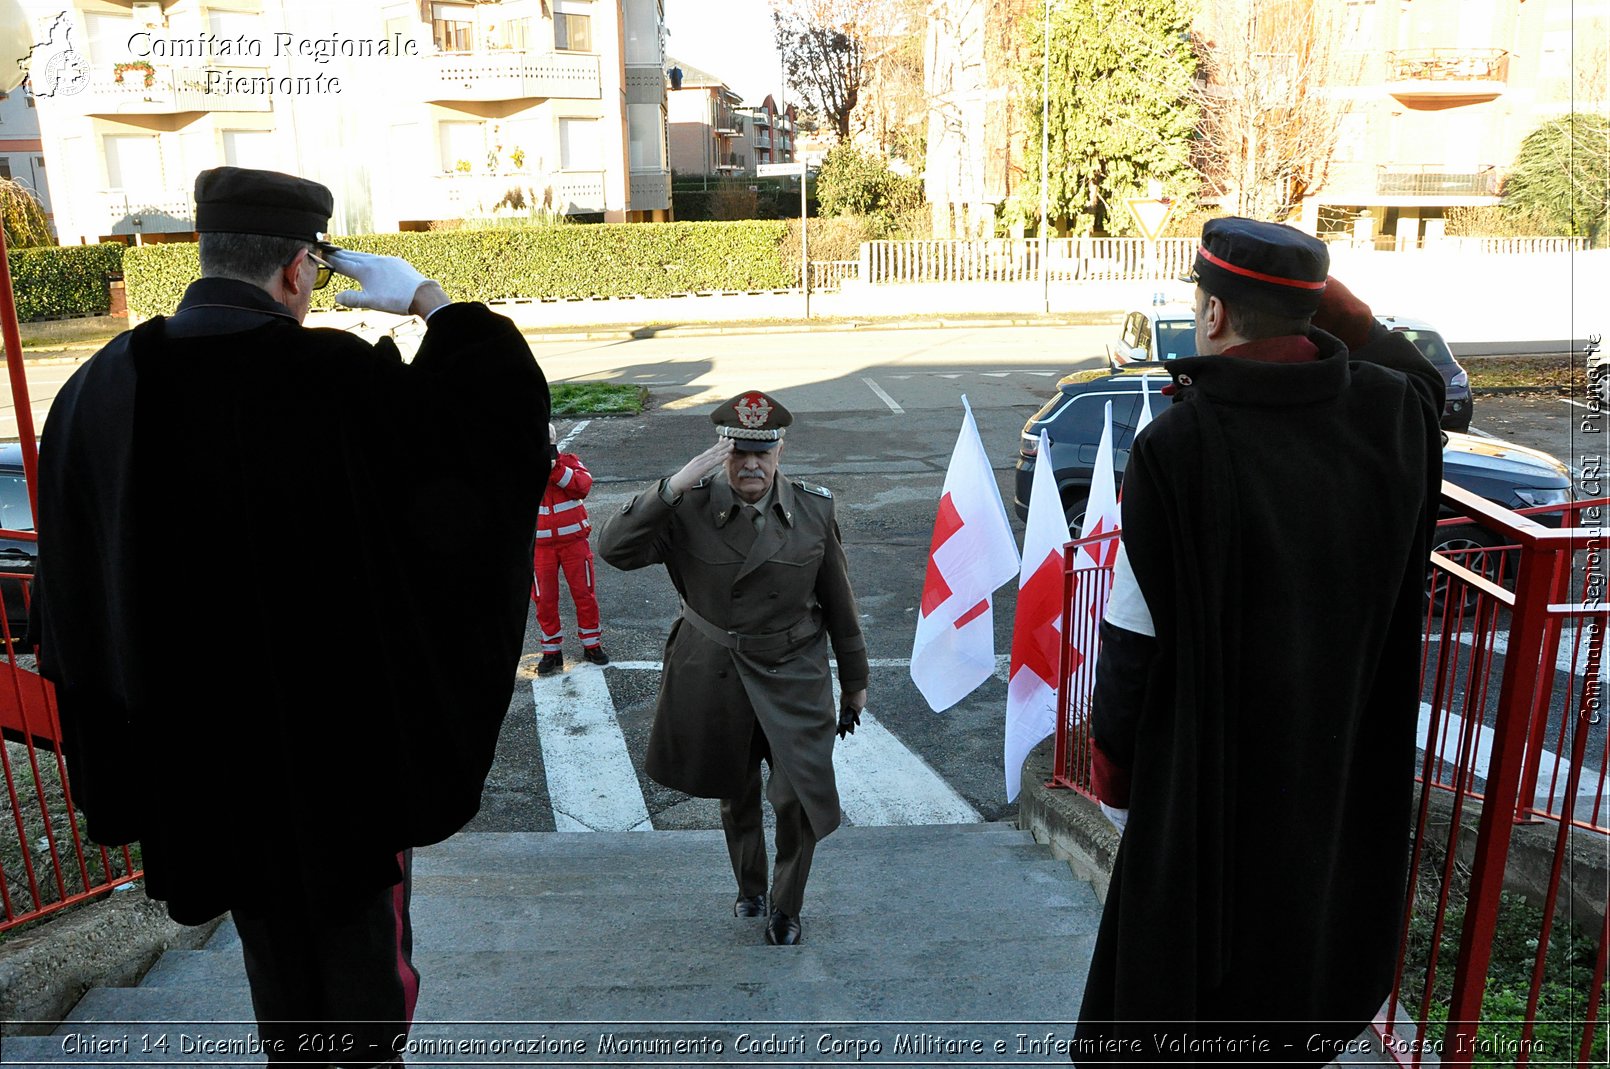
(812, 488)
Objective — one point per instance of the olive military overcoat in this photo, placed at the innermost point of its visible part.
(751, 645)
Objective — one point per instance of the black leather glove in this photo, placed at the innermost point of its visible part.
(849, 719)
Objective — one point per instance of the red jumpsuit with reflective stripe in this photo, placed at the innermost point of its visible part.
(563, 533)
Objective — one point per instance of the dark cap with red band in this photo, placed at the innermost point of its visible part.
(1267, 266)
(240, 200)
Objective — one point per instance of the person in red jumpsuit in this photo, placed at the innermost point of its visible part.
(564, 543)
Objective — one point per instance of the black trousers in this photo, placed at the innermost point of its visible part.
(746, 834)
(333, 990)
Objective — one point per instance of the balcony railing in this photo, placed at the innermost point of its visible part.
(175, 90)
(512, 74)
(650, 190)
(1432, 180)
(461, 196)
(1433, 78)
(167, 211)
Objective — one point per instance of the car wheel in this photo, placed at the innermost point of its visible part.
(1463, 546)
(1073, 507)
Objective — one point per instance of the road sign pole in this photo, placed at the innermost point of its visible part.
(804, 242)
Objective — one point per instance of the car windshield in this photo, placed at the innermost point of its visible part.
(15, 515)
(1430, 344)
(1175, 339)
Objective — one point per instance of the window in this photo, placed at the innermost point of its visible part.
(133, 162)
(461, 142)
(643, 126)
(452, 27)
(5, 168)
(250, 148)
(571, 32)
(580, 148)
(643, 34)
(513, 33)
(15, 512)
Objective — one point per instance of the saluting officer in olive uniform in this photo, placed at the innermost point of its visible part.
(757, 560)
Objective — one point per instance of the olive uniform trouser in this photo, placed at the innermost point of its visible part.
(746, 834)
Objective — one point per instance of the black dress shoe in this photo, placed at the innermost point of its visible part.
(782, 930)
(749, 906)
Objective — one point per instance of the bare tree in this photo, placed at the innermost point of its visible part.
(1269, 125)
(824, 44)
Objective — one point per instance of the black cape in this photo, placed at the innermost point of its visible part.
(1277, 518)
(283, 582)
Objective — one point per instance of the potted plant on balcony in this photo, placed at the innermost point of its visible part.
(143, 66)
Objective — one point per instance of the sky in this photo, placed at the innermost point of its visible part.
(731, 39)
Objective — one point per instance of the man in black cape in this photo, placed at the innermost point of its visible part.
(282, 595)
(1256, 696)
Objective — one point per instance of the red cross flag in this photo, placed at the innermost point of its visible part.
(1101, 508)
(972, 553)
(1031, 689)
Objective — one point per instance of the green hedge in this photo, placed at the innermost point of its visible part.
(601, 260)
(64, 280)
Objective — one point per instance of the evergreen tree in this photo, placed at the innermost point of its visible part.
(1123, 111)
(1561, 176)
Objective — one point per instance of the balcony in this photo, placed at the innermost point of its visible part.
(463, 196)
(173, 91)
(762, 140)
(511, 74)
(1433, 180)
(116, 211)
(1430, 79)
(650, 190)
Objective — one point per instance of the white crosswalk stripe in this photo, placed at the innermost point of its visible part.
(591, 783)
(593, 786)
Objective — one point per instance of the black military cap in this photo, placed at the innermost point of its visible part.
(1268, 266)
(237, 200)
(752, 420)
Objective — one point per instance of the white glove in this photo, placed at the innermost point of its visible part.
(1119, 817)
(389, 282)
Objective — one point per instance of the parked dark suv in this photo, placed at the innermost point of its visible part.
(16, 555)
(1508, 475)
(1167, 331)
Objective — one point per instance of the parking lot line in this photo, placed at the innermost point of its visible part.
(884, 397)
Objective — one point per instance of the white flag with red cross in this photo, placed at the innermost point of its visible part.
(972, 553)
(1101, 508)
(1091, 587)
(1031, 688)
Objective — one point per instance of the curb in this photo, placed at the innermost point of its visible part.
(108, 943)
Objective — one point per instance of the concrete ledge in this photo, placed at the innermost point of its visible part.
(108, 943)
(1072, 825)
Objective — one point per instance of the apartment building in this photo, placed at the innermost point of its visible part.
(706, 128)
(768, 133)
(22, 153)
(1445, 92)
(413, 113)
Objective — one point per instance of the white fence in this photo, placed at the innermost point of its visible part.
(1008, 260)
(1099, 259)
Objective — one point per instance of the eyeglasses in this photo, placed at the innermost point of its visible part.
(322, 278)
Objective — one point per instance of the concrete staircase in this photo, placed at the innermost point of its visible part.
(918, 942)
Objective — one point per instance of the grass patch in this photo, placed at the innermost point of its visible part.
(1562, 1003)
(597, 399)
(1546, 373)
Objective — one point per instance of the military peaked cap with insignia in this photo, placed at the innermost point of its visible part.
(753, 421)
(239, 200)
(1267, 266)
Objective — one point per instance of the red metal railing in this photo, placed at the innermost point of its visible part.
(45, 862)
(1513, 734)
